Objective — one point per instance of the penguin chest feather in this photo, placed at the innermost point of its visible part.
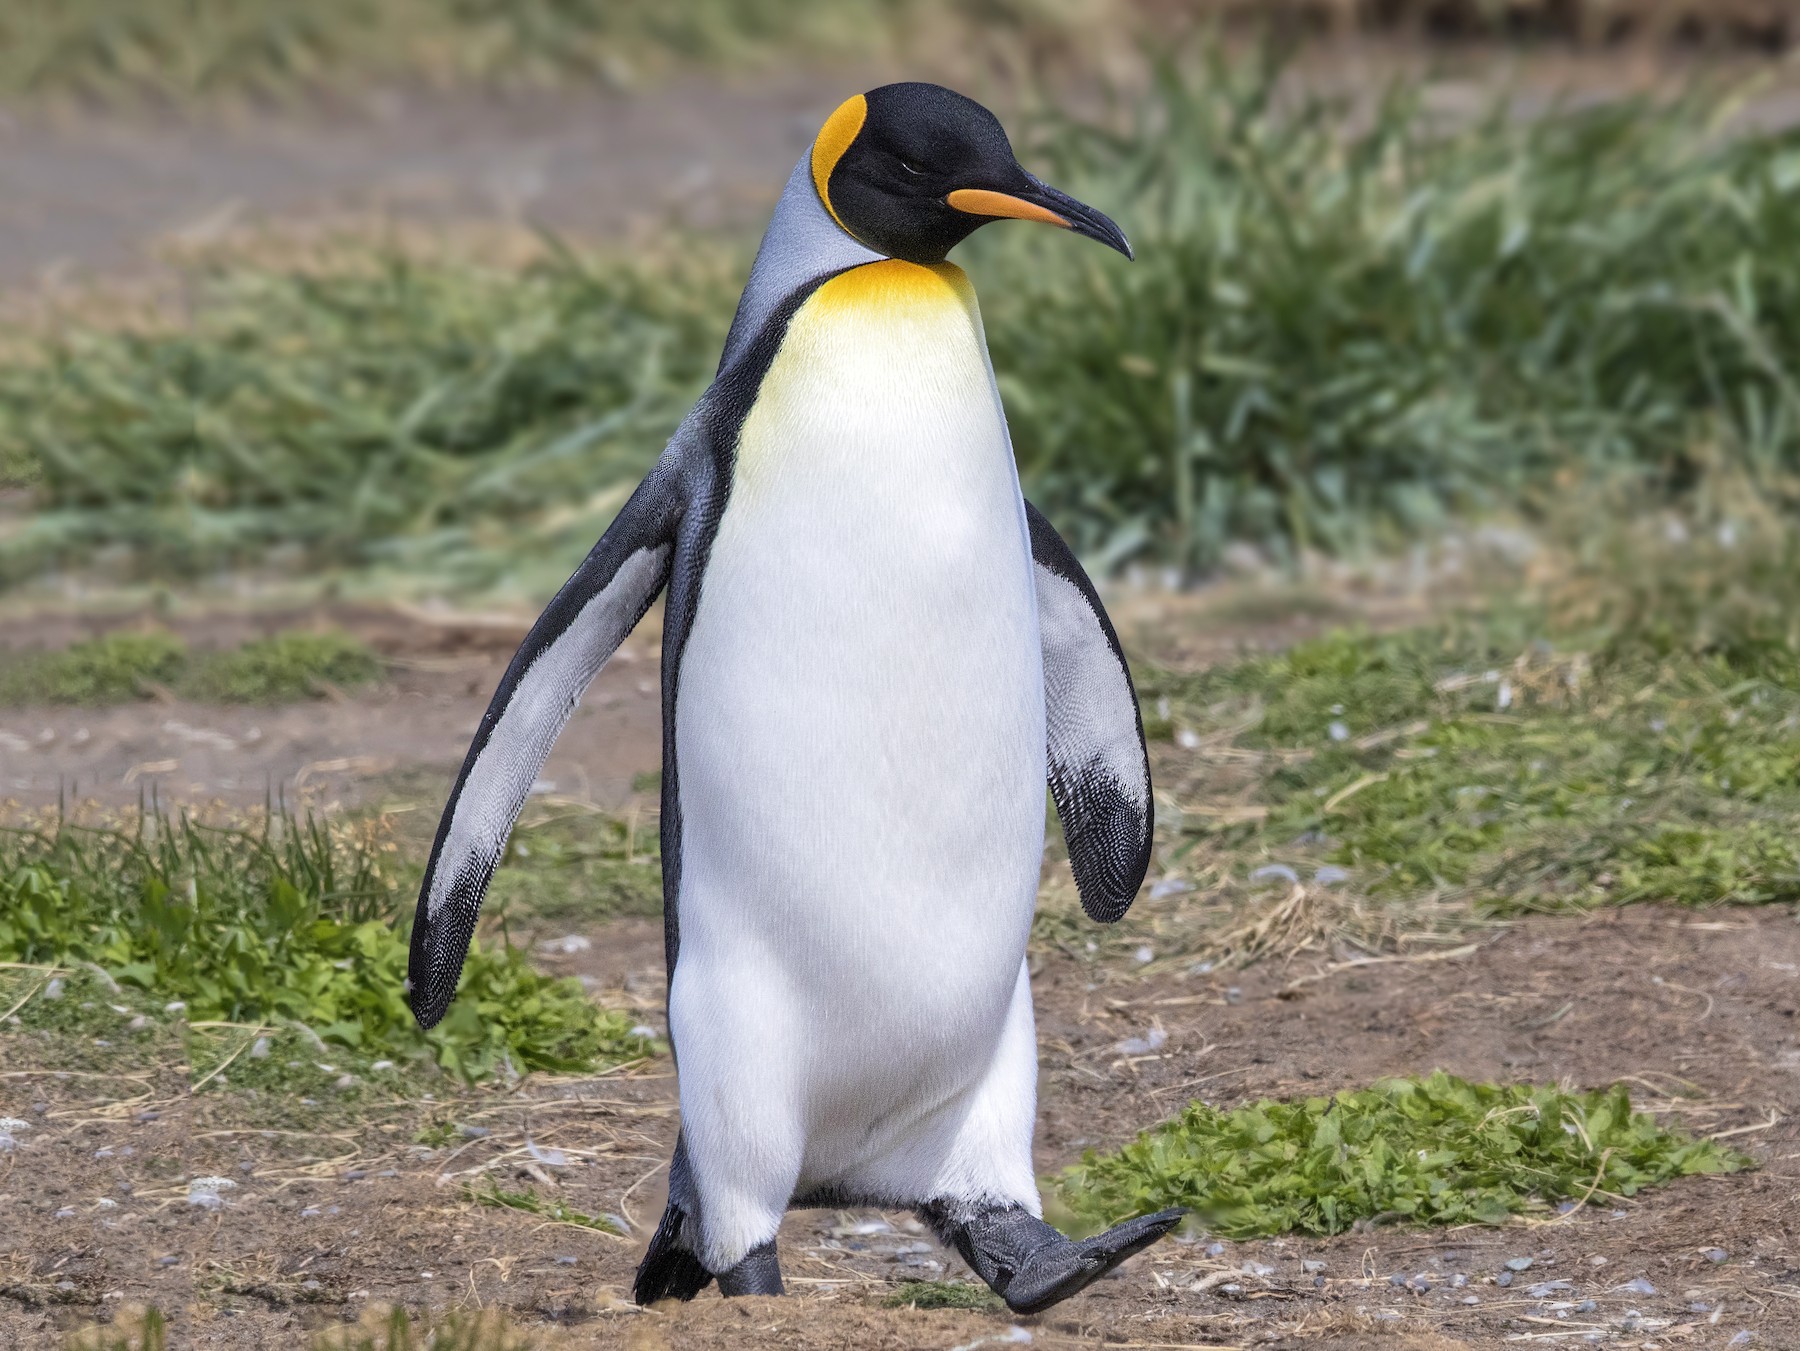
(860, 711)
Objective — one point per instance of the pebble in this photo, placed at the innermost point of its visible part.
(476, 1132)
(1471, 1299)
(168, 1260)
(1270, 872)
(65, 1286)
(1144, 955)
(1716, 1255)
(1311, 1266)
(259, 1049)
(1214, 1249)
(309, 1285)
(1258, 1269)
(1330, 875)
(565, 1261)
(1153, 1040)
(310, 1213)
(1743, 1337)
(1337, 731)
(1544, 1289)
(1519, 1263)
(66, 1213)
(1637, 1285)
(1503, 1279)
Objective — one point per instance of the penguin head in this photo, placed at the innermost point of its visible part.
(912, 170)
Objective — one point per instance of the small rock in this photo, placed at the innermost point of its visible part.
(476, 1132)
(148, 1116)
(1234, 994)
(309, 1284)
(1170, 886)
(168, 1260)
(1519, 1263)
(1504, 1279)
(1231, 1288)
(1471, 1299)
(65, 1286)
(1258, 1269)
(1544, 1289)
(1270, 872)
(1330, 875)
(356, 1175)
(54, 990)
(381, 1065)
(568, 945)
(137, 1024)
(346, 1082)
(259, 1049)
(565, 1261)
(310, 1213)
(1716, 1255)
(1337, 731)
(1637, 1286)
(1586, 1306)
(66, 1213)
(1153, 1040)
(175, 1006)
(1743, 1337)
(1144, 955)
(1310, 1266)
(1215, 1249)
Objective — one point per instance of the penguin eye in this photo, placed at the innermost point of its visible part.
(912, 168)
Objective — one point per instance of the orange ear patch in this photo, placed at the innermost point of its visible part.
(981, 202)
(834, 139)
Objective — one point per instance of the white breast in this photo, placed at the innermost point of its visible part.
(860, 717)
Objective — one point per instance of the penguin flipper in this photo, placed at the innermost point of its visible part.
(565, 649)
(1099, 767)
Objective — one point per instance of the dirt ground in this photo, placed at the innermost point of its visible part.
(1699, 1012)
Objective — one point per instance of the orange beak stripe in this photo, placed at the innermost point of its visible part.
(981, 202)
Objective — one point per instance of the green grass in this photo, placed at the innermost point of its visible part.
(182, 50)
(289, 924)
(1641, 746)
(530, 1203)
(1340, 331)
(1438, 1150)
(121, 667)
(944, 1295)
(579, 867)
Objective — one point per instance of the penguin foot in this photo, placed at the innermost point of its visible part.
(1031, 1266)
(668, 1270)
(756, 1273)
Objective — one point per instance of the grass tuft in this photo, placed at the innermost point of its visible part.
(286, 923)
(284, 668)
(122, 667)
(944, 1295)
(1438, 1150)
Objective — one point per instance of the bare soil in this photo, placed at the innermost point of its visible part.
(1697, 1011)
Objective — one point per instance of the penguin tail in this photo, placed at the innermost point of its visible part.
(669, 1271)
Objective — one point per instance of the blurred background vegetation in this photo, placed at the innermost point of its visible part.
(1355, 318)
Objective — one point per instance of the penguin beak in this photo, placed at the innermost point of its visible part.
(1040, 202)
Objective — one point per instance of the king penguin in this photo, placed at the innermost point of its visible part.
(875, 655)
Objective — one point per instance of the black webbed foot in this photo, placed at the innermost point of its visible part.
(1031, 1266)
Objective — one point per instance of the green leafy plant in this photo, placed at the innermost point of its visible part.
(291, 921)
(1438, 1150)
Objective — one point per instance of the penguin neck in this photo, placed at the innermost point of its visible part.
(802, 245)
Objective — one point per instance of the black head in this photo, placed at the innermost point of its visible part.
(912, 170)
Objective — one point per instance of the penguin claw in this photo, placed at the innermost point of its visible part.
(1058, 1270)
